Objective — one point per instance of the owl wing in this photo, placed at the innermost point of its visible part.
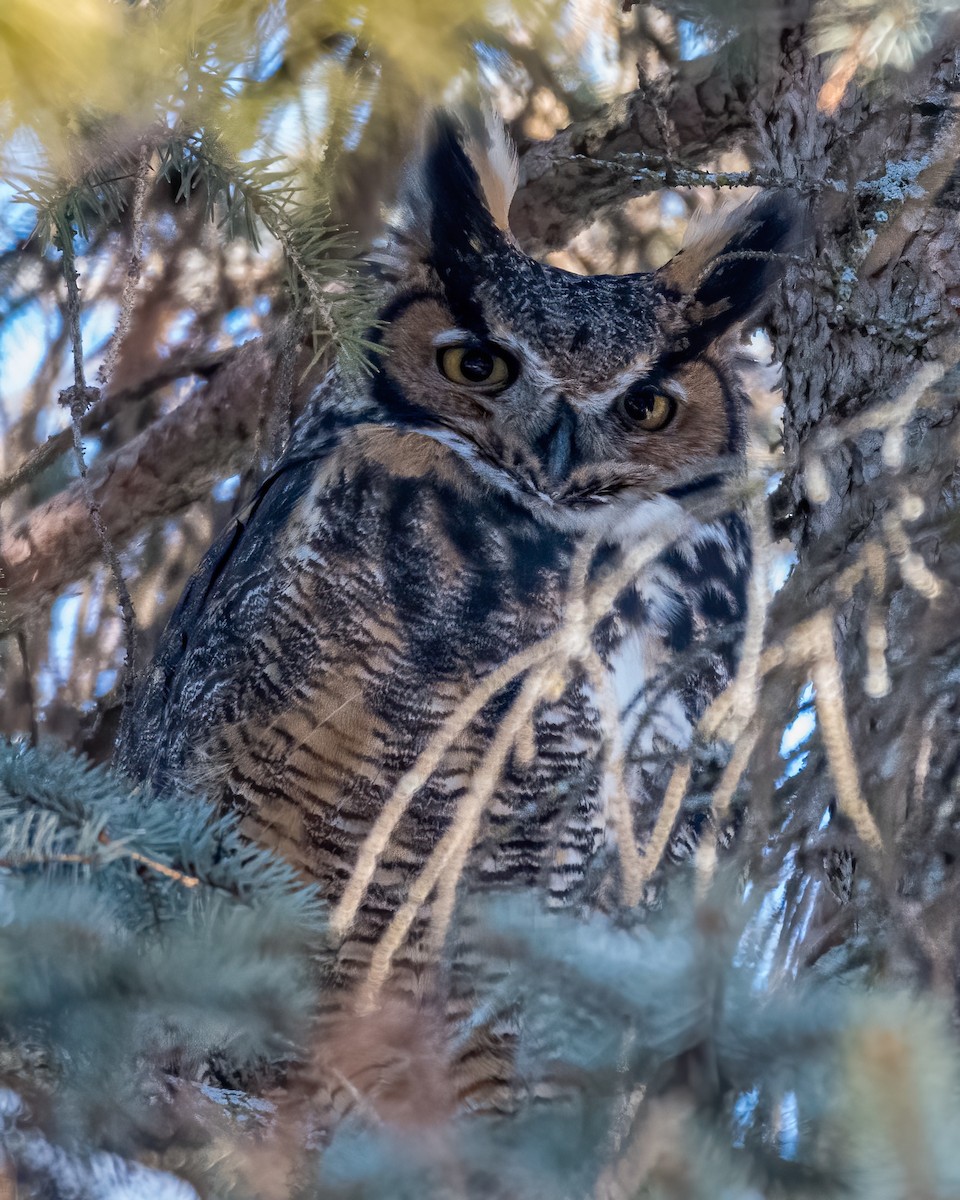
(697, 599)
(202, 654)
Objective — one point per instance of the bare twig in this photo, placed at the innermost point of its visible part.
(835, 730)
(134, 269)
(615, 785)
(22, 862)
(417, 775)
(449, 855)
(79, 400)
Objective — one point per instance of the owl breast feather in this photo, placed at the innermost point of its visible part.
(365, 595)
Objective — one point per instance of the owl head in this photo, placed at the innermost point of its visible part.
(574, 394)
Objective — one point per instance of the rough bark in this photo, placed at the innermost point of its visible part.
(870, 492)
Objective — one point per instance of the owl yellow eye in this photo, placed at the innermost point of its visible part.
(649, 409)
(476, 366)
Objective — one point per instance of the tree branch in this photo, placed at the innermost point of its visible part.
(203, 364)
(168, 467)
(709, 101)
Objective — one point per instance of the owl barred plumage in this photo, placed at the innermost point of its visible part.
(524, 432)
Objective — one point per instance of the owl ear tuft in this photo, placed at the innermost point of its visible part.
(728, 267)
(494, 159)
(456, 194)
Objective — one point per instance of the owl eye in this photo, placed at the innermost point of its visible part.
(476, 366)
(649, 409)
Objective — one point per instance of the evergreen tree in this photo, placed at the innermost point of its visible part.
(187, 186)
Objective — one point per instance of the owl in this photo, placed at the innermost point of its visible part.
(487, 590)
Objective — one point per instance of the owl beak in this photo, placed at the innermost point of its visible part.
(555, 447)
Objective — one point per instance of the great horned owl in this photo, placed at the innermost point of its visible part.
(336, 667)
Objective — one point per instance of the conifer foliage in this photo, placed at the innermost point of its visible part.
(144, 945)
(151, 957)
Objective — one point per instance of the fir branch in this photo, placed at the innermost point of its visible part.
(27, 860)
(55, 804)
(242, 198)
(174, 462)
(63, 213)
(65, 210)
(204, 364)
(141, 934)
